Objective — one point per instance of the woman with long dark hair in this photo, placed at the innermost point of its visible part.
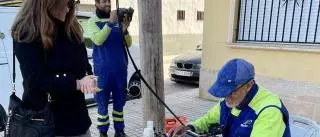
(49, 46)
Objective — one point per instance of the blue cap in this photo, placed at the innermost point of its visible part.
(234, 73)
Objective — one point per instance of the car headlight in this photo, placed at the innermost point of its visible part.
(173, 64)
(198, 66)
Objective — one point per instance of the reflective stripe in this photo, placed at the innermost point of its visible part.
(103, 117)
(103, 123)
(117, 113)
(98, 36)
(118, 119)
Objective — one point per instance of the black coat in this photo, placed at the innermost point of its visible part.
(55, 71)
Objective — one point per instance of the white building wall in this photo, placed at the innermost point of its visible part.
(188, 26)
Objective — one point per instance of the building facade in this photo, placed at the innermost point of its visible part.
(280, 37)
(182, 22)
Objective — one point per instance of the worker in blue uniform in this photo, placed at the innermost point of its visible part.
(245, 109)
(110, 65)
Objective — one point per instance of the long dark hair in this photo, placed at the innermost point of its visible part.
(35, 20)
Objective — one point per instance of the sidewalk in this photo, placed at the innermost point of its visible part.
(184, 102)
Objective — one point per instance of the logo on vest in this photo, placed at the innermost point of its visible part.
(248, 123)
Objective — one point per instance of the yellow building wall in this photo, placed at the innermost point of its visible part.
(281, 67)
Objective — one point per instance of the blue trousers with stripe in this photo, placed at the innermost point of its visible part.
(113, 84)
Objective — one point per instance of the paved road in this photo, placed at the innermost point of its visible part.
(176, 96)
(181, 98)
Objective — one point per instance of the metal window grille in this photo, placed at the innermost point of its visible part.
(200, 15)
(287, 21)
(180, 15)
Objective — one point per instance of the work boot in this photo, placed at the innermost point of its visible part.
(120, 134)
(103, 134)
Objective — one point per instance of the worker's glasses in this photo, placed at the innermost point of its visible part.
(236, 90)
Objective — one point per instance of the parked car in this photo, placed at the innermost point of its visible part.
(186, 68)
(8, 15)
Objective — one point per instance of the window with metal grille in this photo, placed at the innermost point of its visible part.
(180, 15)
(288, 21)
(200, 15)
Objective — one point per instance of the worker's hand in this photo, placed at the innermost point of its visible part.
(113, 16)
(178, 131)
(125, 23)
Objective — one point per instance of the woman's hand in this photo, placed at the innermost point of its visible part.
(88, 84)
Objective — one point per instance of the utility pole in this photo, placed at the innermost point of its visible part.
(150, 39)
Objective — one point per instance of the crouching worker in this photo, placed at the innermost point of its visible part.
(245, 108)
